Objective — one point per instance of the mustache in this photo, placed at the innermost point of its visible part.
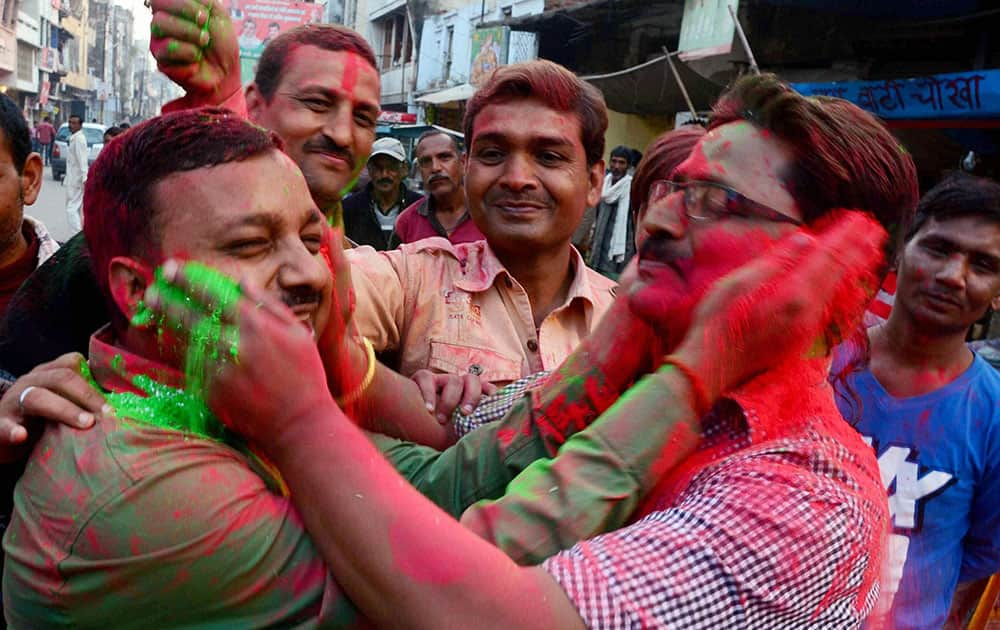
(439, 177)
(298, 297)
(322, 144)
(657, 249)
(385, 180)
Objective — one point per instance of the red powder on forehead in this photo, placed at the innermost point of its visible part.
(350, 78)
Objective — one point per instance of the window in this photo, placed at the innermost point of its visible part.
(25, 62)
(448, 42)
(396, 45)
(507, 11)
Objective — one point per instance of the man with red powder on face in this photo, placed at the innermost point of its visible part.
(777, 517)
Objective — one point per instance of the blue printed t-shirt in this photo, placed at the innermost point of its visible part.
(939, 457)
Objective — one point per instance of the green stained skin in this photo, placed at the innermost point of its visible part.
(168, 407)
(172, 47)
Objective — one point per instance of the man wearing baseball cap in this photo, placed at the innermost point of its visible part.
(370, 214)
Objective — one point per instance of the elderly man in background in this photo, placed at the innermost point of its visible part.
(370, 215)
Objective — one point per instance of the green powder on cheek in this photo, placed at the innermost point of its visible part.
(168, 407)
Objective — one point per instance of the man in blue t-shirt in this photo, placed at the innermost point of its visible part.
(931, 408)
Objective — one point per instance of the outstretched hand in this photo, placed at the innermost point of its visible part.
(778, 306)
(54, 391)
(194, 44)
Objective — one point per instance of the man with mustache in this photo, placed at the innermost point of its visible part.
(522, 299)
(930, 407)
(444, 211)
(371, 215)
(316, 86)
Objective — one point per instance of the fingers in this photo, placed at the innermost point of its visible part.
(11, 433)
(428, 388)
(171, 52)
(190, 10)
(489, 389)
(207, 288)
(450, 395)
(44, 403)
(165, 25)
(472, 391)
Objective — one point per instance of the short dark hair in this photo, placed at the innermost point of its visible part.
(274, 24)
(72, 116)
(553, 85)
(16, 135)
(118, 206)
(623, 152)
(843, 157)
(959, 194)
(430, 133)
(331, 37)
(113, 131)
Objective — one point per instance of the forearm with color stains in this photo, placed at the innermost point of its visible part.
(620, 350)
(400, 558)
(599, 476)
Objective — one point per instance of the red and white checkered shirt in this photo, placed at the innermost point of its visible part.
(774, 523)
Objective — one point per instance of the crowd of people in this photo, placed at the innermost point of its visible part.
(242, 397)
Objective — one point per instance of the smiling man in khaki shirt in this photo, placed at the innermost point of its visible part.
(521, 300)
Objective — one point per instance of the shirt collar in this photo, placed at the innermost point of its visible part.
(481, 267)
(783, 401)
(115, 368)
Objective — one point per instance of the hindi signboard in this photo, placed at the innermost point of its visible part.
(260, 21)
(707, 28)
(973, 94)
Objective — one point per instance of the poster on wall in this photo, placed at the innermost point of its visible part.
(260, 21)
(489, 52)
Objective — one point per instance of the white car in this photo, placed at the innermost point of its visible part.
(95, 142)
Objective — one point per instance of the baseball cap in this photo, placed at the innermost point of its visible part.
(388, 146)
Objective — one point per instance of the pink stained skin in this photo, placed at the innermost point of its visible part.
(325, 108)
(948, 274)
(679, 258)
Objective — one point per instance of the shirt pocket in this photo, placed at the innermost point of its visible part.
(489, 364)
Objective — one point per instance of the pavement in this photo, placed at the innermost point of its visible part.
(50, 207)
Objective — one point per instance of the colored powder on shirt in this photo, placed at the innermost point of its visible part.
(169, 407)
(161, 406)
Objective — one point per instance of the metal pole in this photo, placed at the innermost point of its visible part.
(680, 84)
(743, 40)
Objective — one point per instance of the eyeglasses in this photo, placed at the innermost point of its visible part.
(708, 201)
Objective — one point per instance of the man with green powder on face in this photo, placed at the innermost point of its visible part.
(157, 517)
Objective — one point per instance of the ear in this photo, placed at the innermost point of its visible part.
(128, 279)
(596, 176)
(31, 178)
(995, 303)
(255, 103)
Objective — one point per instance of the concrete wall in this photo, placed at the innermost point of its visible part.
(633, 131)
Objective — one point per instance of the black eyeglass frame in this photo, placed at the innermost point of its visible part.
(736, 204)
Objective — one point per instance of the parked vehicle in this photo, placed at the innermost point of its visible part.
(94, 134)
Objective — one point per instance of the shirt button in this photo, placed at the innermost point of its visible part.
(532, 345)
(476, 369)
